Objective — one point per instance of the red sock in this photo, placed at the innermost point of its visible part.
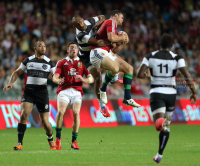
(159, 124)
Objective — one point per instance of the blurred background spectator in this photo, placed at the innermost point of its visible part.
(23, 22)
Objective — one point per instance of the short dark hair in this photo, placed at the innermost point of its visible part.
(72, 43)
(166, 41)
(112, 13)
(37, 42)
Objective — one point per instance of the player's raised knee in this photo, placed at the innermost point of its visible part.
(115, 70)
(159, 124)
(129, 69)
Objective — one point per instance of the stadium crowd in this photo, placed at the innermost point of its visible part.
(22, 23)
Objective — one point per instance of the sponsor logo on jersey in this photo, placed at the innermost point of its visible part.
(79, 65)
(44, 66)
(72, 72)
(31, 65)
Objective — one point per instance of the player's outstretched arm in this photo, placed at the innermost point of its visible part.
(142, 71)
(98, 24)
(56, 79)
(190, 84)
(87, 80)
(13, 78)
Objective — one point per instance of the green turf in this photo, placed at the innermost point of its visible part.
(106, 146)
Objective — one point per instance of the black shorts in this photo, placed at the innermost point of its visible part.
(85, 59)
(40, 97)
(159, 100)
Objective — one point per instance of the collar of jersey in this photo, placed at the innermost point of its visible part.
(68, 59)
(114, 21)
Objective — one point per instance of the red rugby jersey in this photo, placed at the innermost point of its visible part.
(68, 69)
(107, 26)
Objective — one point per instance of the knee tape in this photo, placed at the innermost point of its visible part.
(166, 124)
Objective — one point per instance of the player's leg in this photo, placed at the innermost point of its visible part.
(42, 103)
(26, 109)
(62, 103)
(158, 107)
(165, 131)
(99, 58)
(96, 73)
(127, 69)
(44, 116)
(76, 107)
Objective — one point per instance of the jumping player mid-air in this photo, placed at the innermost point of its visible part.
(163, 65)
(103, 57)
(68, 76)
(85, 35)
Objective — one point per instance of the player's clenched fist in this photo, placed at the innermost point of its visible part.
(61, 81)
(6, 87)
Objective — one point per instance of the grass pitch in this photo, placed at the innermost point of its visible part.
(106, 146)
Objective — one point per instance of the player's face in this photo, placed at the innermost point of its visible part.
(120, 19)
(41, 48)
(73, 51)
(80, 23)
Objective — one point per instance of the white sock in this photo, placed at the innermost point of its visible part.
(115, 77)
(102, 104)
(159, 155)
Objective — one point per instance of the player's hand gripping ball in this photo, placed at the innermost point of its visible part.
(123, 33)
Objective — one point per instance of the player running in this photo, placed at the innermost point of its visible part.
(85, 35)
(38, 67)
(68, 76)
(102, 57)
(163, 65)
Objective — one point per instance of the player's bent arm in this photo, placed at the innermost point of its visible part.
(116, 48)
(56, 79)
(188, 79)
(141, 72)
(94, 42)
(13, 78)
(114, 38)
(101, 20)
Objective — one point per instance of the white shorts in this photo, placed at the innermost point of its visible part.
(97, 55)
(70, 96)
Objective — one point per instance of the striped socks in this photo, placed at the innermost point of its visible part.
(127, 85)
(106, 81)
(74, 136)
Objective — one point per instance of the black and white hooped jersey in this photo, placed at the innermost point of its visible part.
(37, 70)
(163, 66)
(83, 37)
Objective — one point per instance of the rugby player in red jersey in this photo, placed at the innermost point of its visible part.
(104, 57)
(69, 77)
(85, 36)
